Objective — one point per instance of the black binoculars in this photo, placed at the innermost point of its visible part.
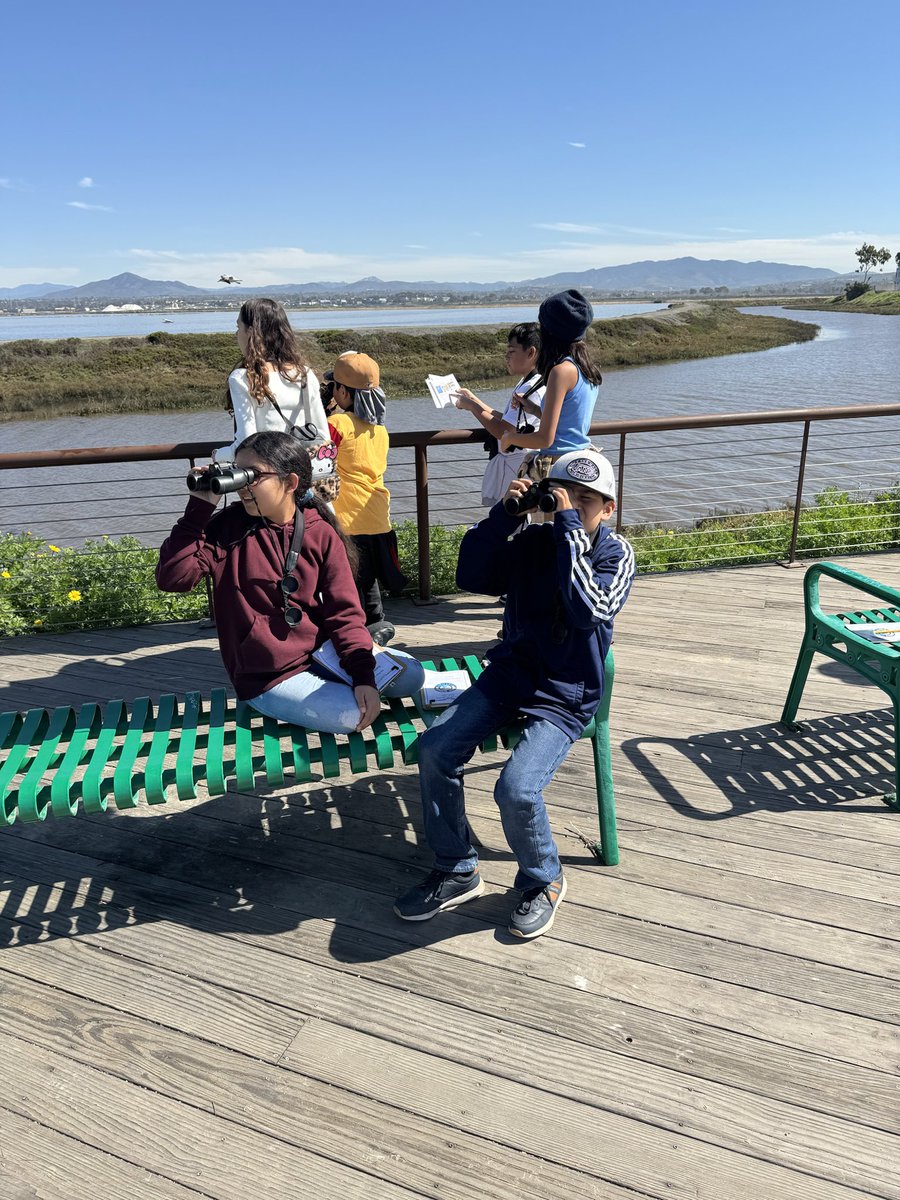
(539, 495)
(219, 478)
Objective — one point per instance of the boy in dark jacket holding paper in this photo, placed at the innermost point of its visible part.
(564, 584)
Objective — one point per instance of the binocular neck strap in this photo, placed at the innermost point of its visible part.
(293, 554)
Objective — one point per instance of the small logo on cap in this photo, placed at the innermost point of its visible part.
(584, 470)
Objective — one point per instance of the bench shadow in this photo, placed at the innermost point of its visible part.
(826, 763)
(255, 865)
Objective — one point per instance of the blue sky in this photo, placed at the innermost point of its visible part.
(475, 140)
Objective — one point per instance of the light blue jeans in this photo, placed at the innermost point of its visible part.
(447, 746)
(314, 702)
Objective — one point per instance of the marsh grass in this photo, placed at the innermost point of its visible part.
(188, 371)
(884, 304)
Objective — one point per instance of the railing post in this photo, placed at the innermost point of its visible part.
(621, 484)
(209, 621)
(792, 549)
(423, 523)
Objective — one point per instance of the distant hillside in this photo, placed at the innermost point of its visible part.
(131, 287)
(666, 275)
(681, 273)
(26, 291)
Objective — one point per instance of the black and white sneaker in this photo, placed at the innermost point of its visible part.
(535, 912)
(438, 891)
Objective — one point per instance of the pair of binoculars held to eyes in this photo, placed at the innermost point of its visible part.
(539, 495)
(220, 478)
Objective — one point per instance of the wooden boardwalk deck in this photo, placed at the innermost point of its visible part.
(214, 999)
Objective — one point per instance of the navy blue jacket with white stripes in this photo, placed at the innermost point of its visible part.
(562, 594)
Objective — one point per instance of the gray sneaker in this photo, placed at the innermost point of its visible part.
(535, 912)
(438, 891)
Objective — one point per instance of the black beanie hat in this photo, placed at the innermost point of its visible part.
(566, 316)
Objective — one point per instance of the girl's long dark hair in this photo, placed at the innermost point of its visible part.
(271, 340)
(553, 351)
(285, 455)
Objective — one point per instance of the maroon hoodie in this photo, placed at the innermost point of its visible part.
(244, 556)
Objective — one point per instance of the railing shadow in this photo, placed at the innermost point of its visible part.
(830, 762)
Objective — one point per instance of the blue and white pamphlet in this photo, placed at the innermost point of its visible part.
(442, 687)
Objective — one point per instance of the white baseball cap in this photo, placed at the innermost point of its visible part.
(586, 467)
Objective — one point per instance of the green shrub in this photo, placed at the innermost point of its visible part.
(103, 583)
(443, 544)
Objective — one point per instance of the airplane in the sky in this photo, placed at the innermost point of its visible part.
(227, 279)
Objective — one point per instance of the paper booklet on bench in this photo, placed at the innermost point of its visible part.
(442, 687)
(441, 389)
(889, 631)
(386, 666)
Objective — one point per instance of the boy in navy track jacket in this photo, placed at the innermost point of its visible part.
(564, 584)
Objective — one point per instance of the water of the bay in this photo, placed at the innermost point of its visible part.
(49, 326)
(669, 477)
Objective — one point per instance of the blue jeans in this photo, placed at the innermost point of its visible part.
(314, 702)
(448, 745)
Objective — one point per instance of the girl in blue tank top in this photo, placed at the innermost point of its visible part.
(572, 378)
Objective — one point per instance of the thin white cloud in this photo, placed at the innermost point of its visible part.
(258, 267)
(731, 229)
(89, 207)
(567, 227)
(633, 230)
(415, 246)
(86, 182)
(578, 145)
(12, 185)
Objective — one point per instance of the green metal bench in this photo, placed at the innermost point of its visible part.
(827, 633)
(53, 760)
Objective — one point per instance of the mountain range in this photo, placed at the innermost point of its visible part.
(674, 274)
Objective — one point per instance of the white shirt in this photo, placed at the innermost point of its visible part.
(251, 417)
(511, 415)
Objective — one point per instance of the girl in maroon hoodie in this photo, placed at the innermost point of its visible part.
(270, 619)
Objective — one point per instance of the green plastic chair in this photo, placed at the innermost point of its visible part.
(827, 633)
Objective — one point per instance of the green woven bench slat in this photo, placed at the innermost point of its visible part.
(62, 800)
(29, 733)
(300, 750)
(243, 749)
(154, 781)
(215, 743)
(111, 720)
(185, 778)
(274, 767)
(328, 757)
(127, 780)
(123, 750)
(32, 806)
(9, 728)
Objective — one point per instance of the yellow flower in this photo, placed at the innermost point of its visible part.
(5, 575)
(74, 595)
(671, 533)
(39, 621)
(55, 549)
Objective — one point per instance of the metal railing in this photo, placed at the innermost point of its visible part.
(720, 469)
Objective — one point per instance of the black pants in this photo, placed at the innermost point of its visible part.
(378, 561)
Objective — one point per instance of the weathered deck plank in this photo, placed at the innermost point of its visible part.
(717, 1015)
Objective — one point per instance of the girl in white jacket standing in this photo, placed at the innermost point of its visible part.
(274, 388)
